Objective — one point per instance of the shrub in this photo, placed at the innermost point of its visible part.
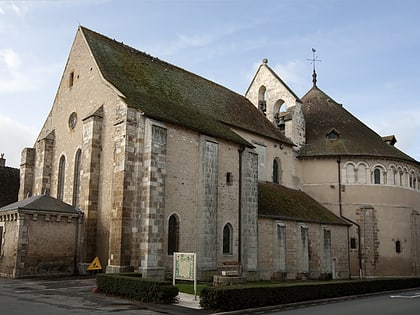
(231, 298)
(136, 288)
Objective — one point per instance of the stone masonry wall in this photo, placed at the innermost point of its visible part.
(153, 202)
(249, 214)
(208, 209)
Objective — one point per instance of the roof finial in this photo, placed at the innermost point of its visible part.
(313, 61)
(265, 61)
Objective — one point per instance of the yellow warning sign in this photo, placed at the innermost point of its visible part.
(95, 265)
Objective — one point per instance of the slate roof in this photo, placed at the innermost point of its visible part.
(41, 203)
(170, 94)
(279, 202)
(323, 114)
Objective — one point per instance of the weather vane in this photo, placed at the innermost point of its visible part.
(313, 61)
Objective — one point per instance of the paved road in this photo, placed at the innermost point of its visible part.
(407, 303)
(59, 297)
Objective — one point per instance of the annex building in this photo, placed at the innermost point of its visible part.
(155, 160)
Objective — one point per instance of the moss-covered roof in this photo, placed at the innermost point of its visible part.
(323, 114)
(280, 202)
(168, 93)
(43, 203)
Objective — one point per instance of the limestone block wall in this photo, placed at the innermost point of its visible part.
(383, 211)
(8, 244)
(26, 173)
(153, 201)
(208, 205)
(182, 189)
(278, 97)
(282, 253)
(289, 170)
(249, 214)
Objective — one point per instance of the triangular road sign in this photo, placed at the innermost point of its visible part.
(95, 265)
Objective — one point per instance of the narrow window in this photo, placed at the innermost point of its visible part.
(398, 247)
(227, 239)
(76, 180)
(275, 171)
(353, 243)
(377, 176)
(262, 100)
(61, 177)
(173, 235)
(71, 79)
(229, 178)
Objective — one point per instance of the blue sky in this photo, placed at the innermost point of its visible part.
(370, 52)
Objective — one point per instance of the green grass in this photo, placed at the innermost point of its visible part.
(189, 287)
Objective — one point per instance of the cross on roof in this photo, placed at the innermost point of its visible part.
(313, 61)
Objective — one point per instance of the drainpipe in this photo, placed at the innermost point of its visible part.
(340, 206)
(241, 150)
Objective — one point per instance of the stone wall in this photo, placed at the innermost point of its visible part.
(295, 250)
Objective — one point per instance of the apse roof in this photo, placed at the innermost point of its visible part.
(170, 94)
(333, 131)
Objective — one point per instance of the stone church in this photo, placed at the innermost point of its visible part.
(159, 160)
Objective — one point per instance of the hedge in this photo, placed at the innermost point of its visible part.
(136, 288)
(237, 297)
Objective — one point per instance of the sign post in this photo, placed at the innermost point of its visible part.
(185, 268)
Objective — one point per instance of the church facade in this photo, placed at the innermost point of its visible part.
(160, 160)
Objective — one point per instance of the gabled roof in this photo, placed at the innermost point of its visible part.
(170, 94)
(279, 202)
(323, 114)
(41, 203)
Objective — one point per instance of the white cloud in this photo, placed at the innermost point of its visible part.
(14, 137)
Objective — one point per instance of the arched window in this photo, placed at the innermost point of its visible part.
(279, 113)
(76, 179)
(377, 176)
(173, 235)
(61, 177)
(227, 239)
(262, 100)
(275, 171)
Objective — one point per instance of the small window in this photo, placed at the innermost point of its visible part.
(398, 247)
(173, 235)
(333, 134)
(377, 176)
(229, 178)
(353, 243)
(71, 79)
(227, 239)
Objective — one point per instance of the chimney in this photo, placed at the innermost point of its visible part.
(2, 160)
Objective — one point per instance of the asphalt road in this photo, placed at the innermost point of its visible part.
(396, 303)
(61, 296)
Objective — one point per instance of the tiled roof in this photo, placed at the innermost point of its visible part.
(323, 114)
(279, 202)
(41, 203)
(168, 93)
